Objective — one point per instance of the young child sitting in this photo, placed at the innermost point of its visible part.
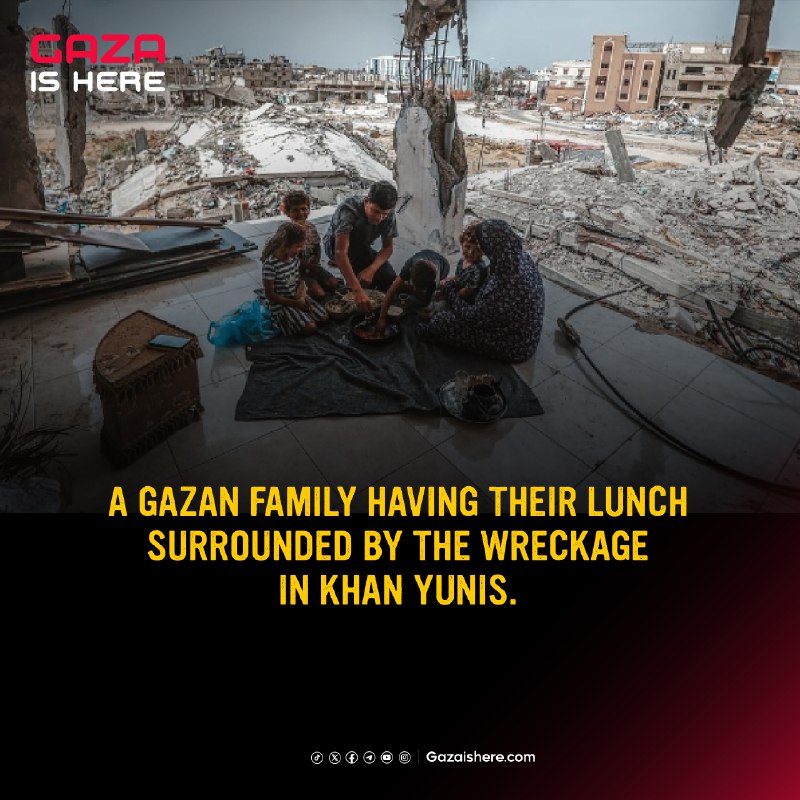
(472, 268)
(419, 277)
(293, 311)
(296, 204)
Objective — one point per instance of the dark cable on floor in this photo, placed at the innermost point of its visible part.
(726, 334)
(574, 339)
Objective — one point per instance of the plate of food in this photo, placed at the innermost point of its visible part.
(363, 329)
(339, 308)
(375, 298)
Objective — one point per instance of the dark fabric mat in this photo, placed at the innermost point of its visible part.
(331, 373)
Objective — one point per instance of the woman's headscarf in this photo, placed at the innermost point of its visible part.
(503, 247)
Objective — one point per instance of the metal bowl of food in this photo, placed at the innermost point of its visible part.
(339, 308)
(363, 329)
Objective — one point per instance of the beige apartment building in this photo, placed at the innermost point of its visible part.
(623, 77)
(697, 76)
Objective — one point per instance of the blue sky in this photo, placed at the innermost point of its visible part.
(345, 33)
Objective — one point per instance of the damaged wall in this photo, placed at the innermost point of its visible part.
(430, 169)
(70, 115)
(20, 179)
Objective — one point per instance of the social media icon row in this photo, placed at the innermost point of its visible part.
(352, 757)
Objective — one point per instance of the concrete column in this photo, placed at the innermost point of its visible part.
(20, 179)
(434, 216)
(619, 153)
(70, 115)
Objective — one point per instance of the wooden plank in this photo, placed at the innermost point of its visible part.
(34, 215)
(64, 234)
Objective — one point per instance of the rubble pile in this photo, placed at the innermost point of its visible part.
(210, 162)
(726, 235)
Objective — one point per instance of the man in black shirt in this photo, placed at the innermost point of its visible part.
(355, 225)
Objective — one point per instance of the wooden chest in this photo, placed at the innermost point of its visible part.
(146, 393)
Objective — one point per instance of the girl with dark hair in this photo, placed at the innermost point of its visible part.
(296, 204)
(504, 318)
(293, 311)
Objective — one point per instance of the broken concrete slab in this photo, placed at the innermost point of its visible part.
(751, 32)
(547, 153)
(766, 323)
(140, 140)
(138, 191)
(743, 93)
(619, 154)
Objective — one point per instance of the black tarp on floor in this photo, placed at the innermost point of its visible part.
(331, 373)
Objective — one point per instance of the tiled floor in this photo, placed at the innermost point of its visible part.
(729, 413)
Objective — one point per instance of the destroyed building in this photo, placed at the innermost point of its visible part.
(697, 76)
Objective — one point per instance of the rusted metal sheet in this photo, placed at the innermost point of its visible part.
(29, 215)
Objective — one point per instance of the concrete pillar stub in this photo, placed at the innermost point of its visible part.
(433, 217)
(70, 115)
(20, 179)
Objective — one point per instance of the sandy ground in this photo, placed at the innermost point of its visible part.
(522, 126)
(500, 144)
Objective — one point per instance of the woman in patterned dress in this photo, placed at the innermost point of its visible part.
(504, 319)
(293, 311)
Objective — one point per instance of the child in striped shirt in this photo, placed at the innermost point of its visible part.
(293, 311)
(296, 204)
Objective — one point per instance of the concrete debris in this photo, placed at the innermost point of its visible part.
(209, 161)
(728, 234)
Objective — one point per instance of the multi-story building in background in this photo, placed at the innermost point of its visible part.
(451, 72)
(567, 84)
(623, 77)
(697, 76)
(275, 73)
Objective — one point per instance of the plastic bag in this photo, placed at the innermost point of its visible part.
(251, 322)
